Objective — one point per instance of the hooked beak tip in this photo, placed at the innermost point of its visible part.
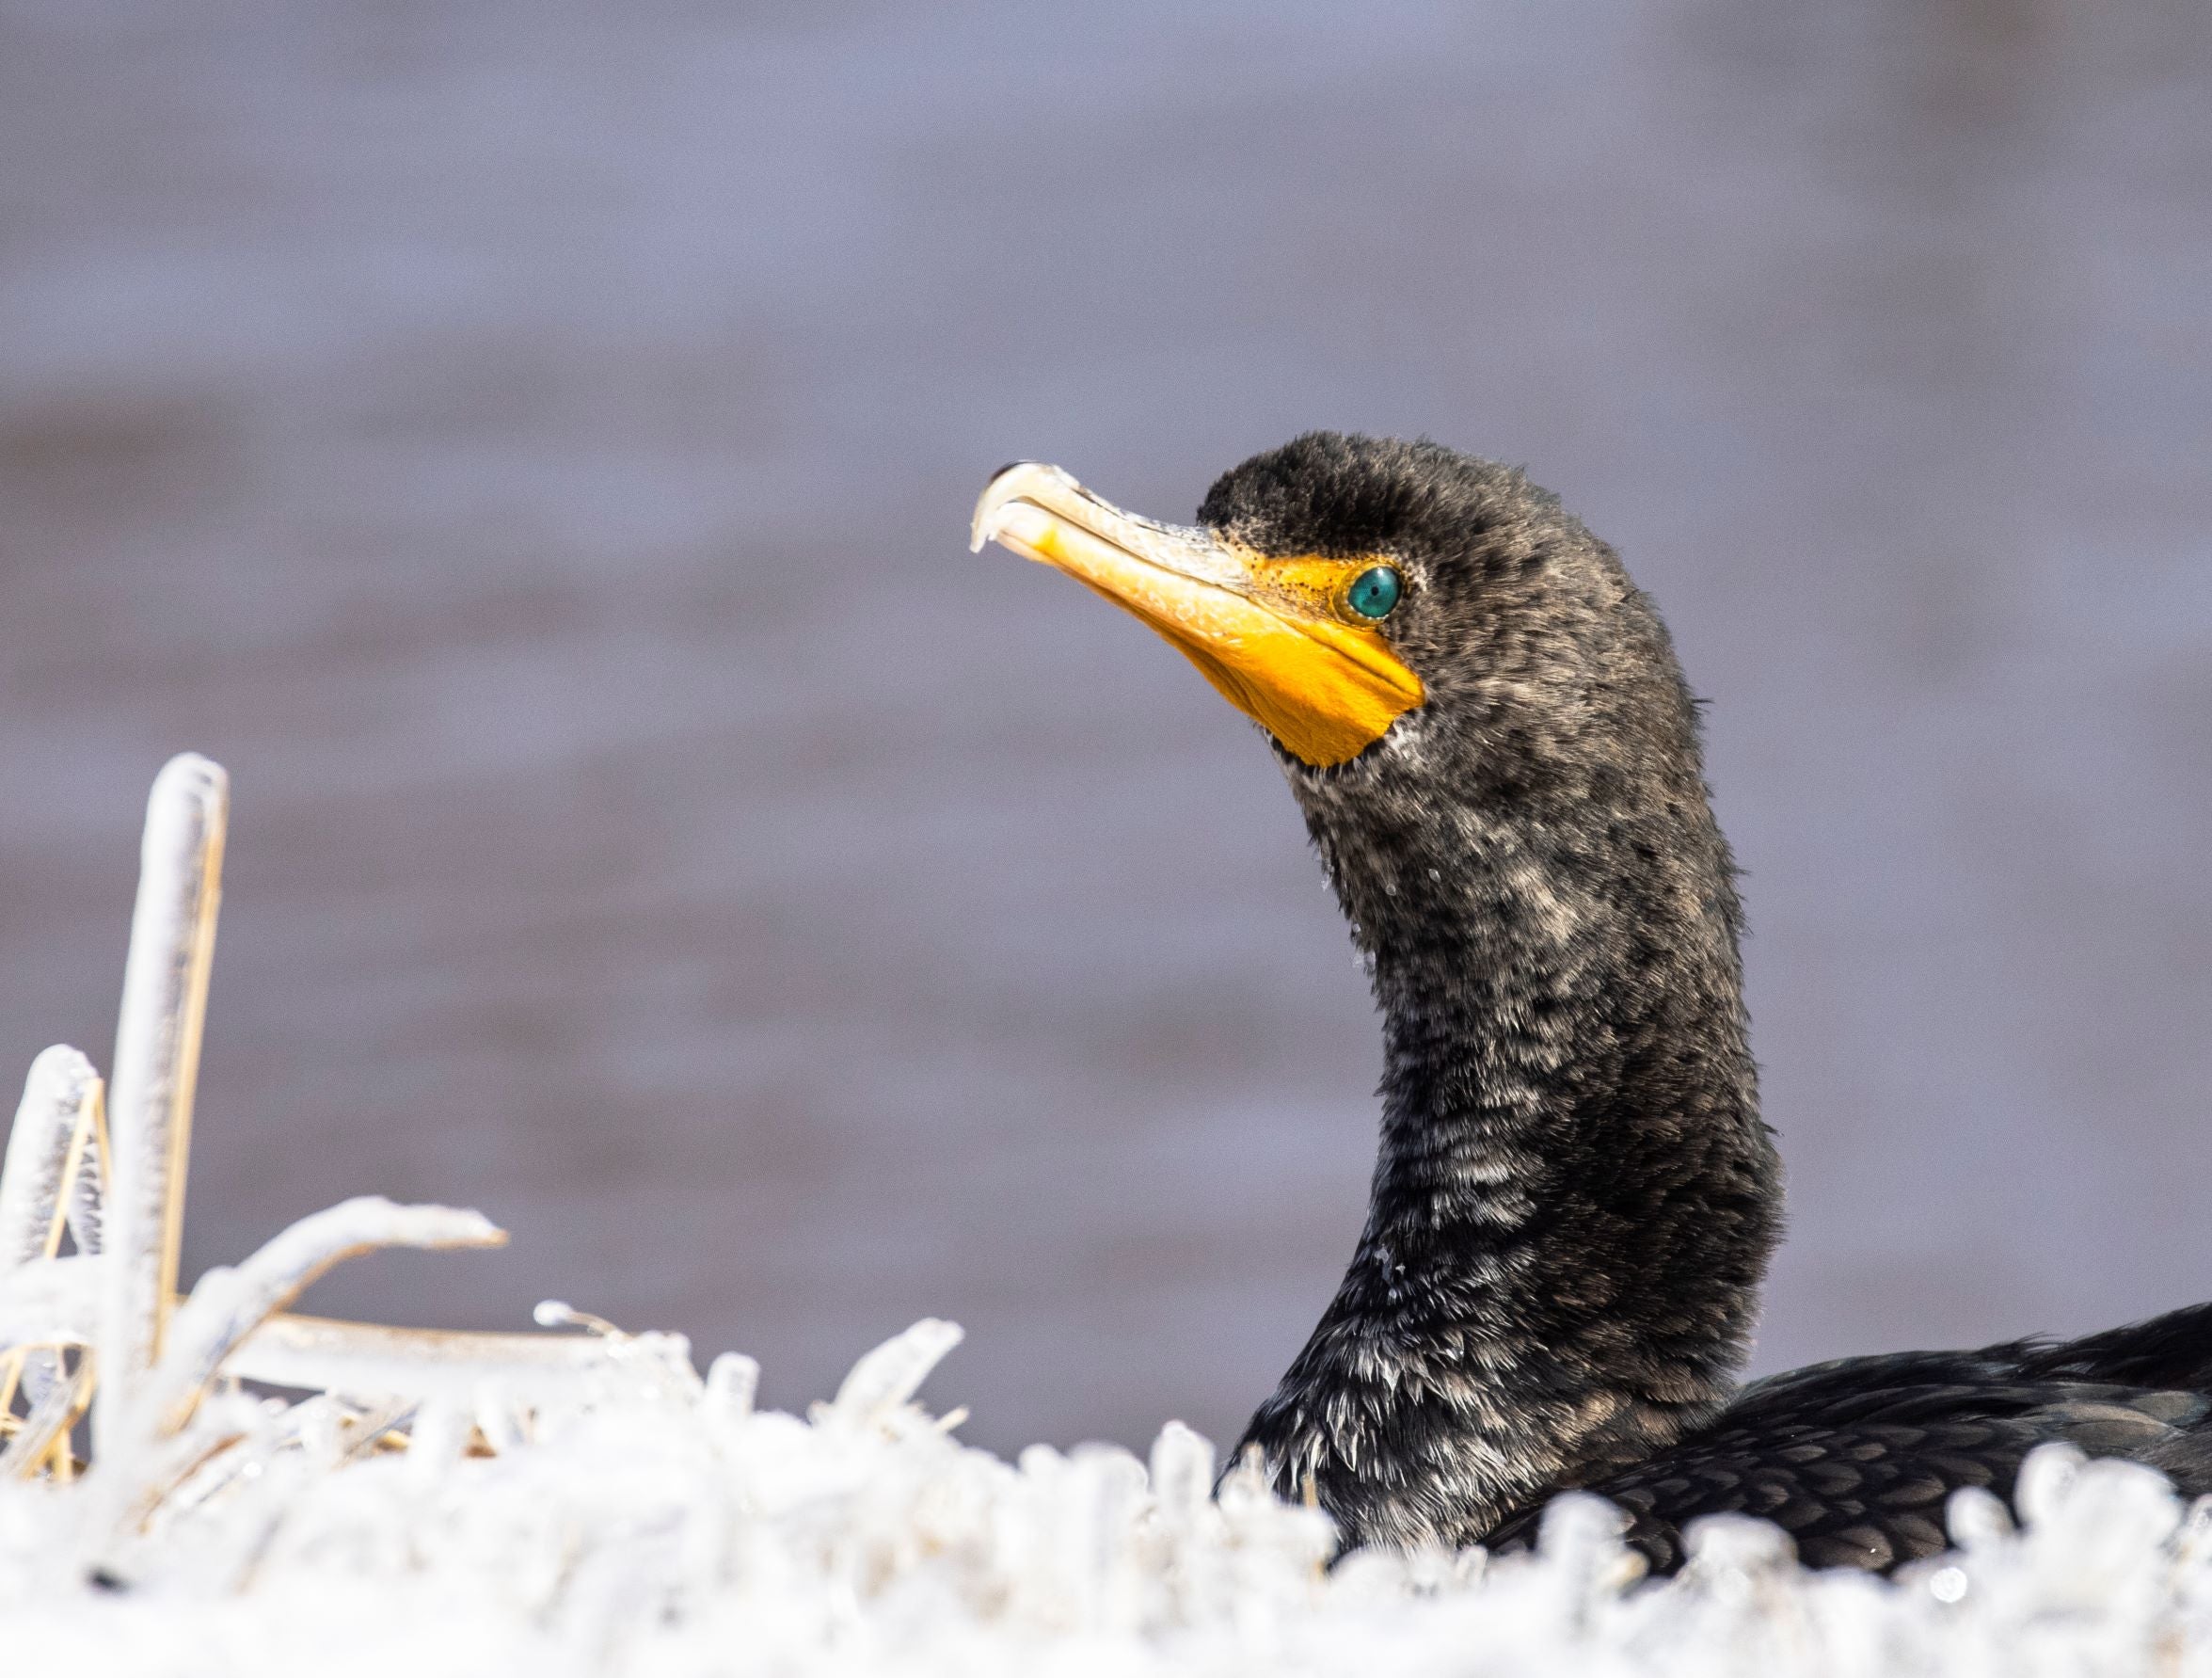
(1010, 485)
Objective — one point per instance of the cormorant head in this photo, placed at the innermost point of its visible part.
(1368, 599)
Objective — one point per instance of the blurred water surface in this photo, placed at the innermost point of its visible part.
(531, 445)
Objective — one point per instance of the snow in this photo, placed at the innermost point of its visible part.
(661, 1527)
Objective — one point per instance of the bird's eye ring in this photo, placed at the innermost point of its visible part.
(1374, 592)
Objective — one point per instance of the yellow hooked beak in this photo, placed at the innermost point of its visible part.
(1275, 636)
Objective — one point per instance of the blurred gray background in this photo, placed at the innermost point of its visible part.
(531, 445)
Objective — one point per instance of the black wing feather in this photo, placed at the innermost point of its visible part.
(1855, 1459)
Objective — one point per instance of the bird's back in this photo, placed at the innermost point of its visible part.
(1857, 1458)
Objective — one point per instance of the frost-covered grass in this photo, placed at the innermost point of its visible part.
(587, 1503)
(661, 1524)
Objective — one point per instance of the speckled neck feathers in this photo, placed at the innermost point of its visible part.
(1574, 1198)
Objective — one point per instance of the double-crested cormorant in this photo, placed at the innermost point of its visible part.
(1575, 1197)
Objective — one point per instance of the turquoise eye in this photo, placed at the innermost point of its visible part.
(1374, 592)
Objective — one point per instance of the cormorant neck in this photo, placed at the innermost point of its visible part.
(1574, 1197)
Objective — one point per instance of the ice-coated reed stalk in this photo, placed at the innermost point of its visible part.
(52, 1156)
(156, 1067)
